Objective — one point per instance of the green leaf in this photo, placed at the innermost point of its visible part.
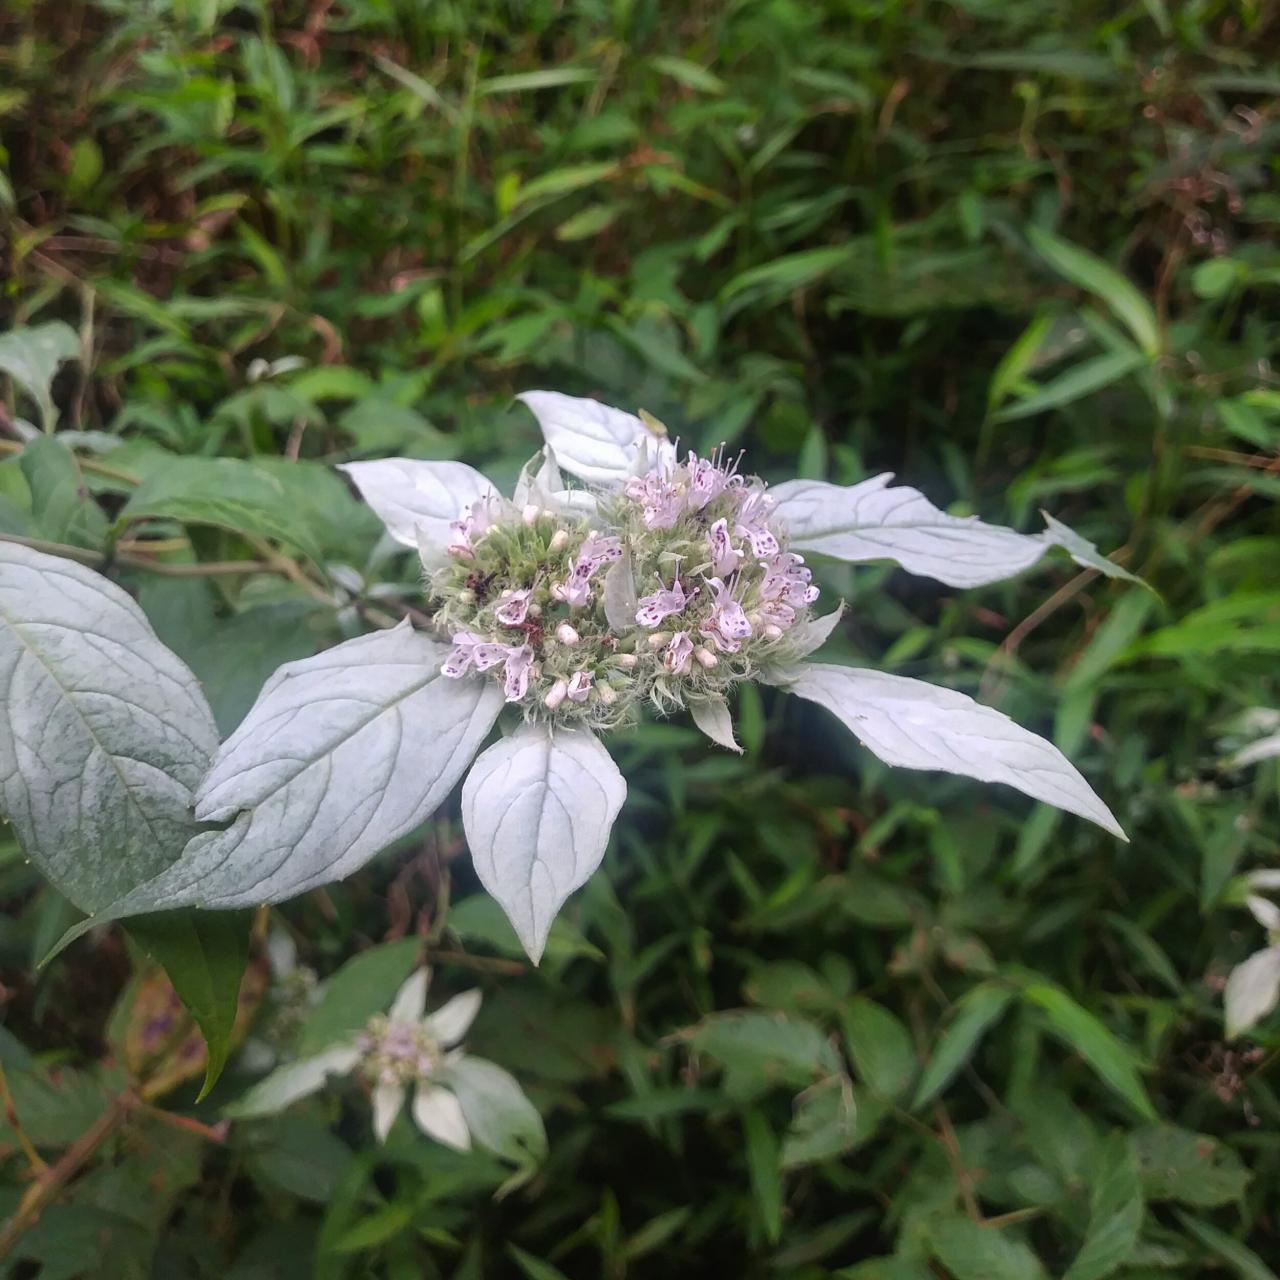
(1083, 1033)
(976, 1012)
(824, 1125)
(1079, 381)
(1192, 1168)
(534, 1268)
(973, 1252)
(205, 954)
(31, 356)
(1091, 273)
(761, 1148)
(1116, 1211)
(526, 81)
(1239, 1257)
(226, 492)
(688, 73)
(760, 1050)
(880, 1046)
(365, 985)
(61, 504)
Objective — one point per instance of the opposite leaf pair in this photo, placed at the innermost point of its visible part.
(660, 584)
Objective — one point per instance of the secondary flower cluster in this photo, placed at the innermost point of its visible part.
(548, 601)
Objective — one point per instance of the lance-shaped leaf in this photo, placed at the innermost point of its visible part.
(915, 725)
(590, 440)
(104, 733)
(341, 754)
(418, 501)
(537, 809)
(711, 715)
(870, 521)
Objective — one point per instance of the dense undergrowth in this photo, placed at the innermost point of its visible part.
(814, 1019)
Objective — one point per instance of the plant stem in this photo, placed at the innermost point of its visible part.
(196, 569)
(51, 1180)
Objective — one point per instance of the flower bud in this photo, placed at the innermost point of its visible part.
(706, 658)
(607, 694)
(627, 660)
(566, 634)
(559, 540)
(466, 596)
(658, 639)
(555, 695)
(530, 514)
(772, 632)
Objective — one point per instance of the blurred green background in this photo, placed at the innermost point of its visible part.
(812, 1019)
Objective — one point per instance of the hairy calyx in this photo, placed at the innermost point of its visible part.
(676, 588)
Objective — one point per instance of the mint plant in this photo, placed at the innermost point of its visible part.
(655, 583)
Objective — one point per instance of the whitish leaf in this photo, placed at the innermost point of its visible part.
(541, 484)
(418, 501)
(341, 754)
(496, 1110)
(1252, 991)
(1089, 272)
(619, 594)
(1082, 551)
(915, 725)
(813, 633)
(287, 1084)
(31, 357)
(537, 809)
(590, 440)
(104, 733)
(870, 521)
(711, 715)
(1264, 749)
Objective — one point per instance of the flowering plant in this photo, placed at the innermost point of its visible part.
(455, 1096)
(657, 581)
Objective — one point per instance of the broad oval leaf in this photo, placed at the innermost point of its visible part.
(870, 521)
(418, 501)
(104, 733)
(590, 440)
(342, 754)
(915, 725)
(537, 809)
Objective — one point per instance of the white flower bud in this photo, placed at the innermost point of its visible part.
(706, 658)
(606, 694)
(566, 634)
(556, 695)
(530, 515)
(772, 632)
(627, 660)
(466, 596)
(658, 639)
(559, 540)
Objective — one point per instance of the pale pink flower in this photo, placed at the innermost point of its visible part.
(786, 579)
(515, 608)
(471, 650)
(579, 686)
(679, 655)
(596, 550)
(662, 501)
(750, 523)
(474, 520)
(662, 604)
(728, 624)
(725, 557)
(516, 673)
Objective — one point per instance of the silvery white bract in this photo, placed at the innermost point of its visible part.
(411, 1056)
(656, 583)
(1253, 987)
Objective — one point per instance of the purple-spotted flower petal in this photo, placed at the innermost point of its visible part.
(679, 654)
(786, 579)
(515, 608)
(662, 604)
(725, 557)
(516, 674)
(751, 523)
(471, 650)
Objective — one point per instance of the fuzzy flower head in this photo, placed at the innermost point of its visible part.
(669, 588)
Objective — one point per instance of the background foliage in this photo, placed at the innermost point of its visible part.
(813, 1019)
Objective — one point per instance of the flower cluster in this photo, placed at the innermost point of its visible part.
(675, 587)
